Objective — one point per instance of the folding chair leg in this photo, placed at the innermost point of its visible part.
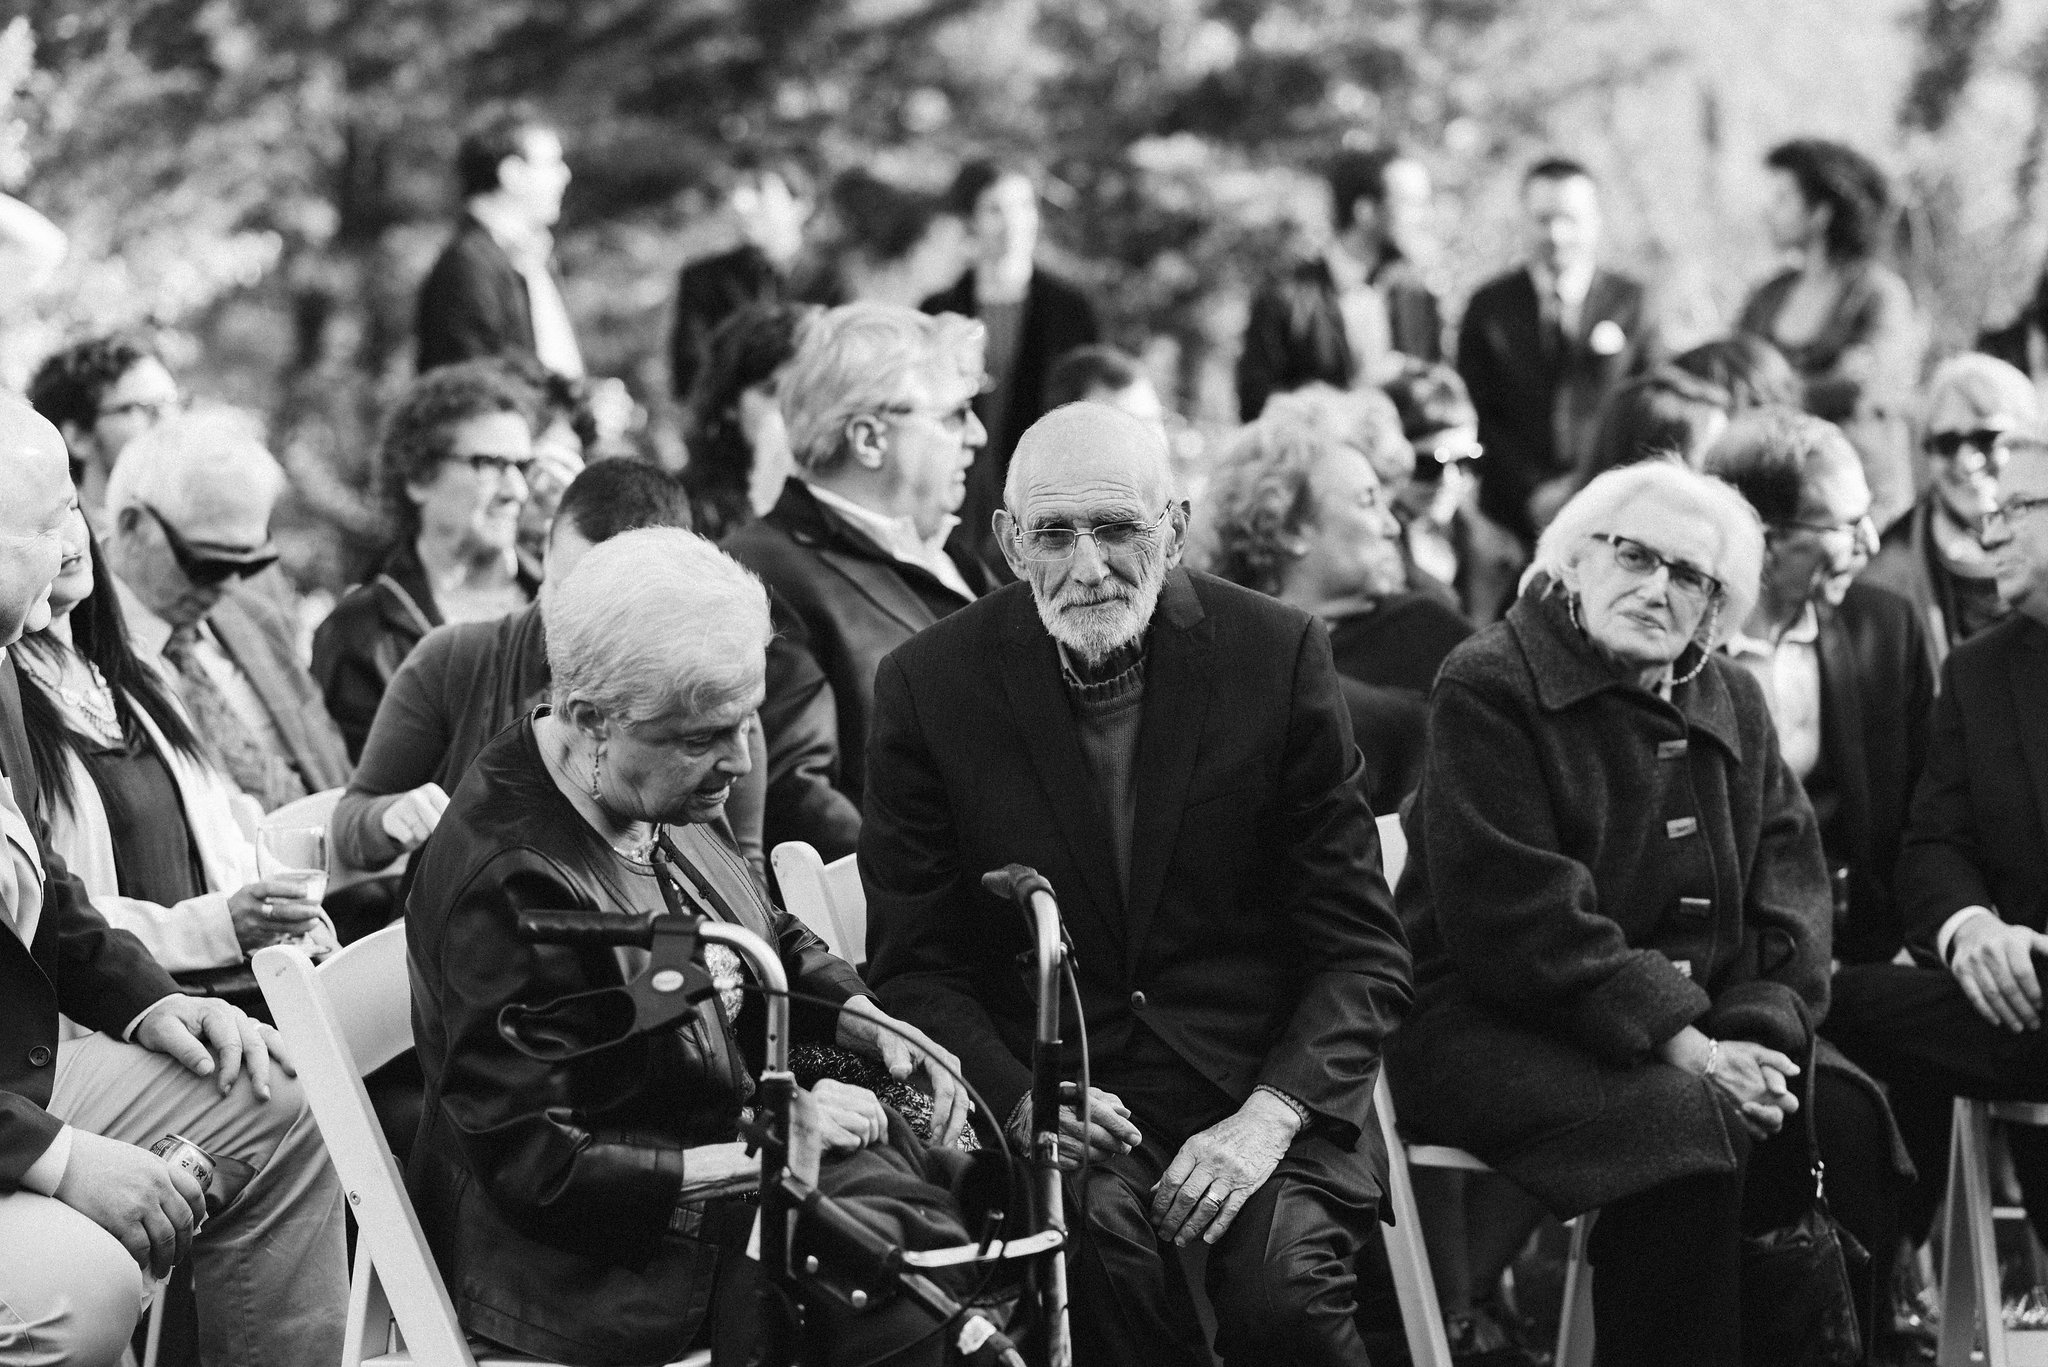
(367, 1331)
(1969, 1282)
(1414, 1285)
(1575, 1318)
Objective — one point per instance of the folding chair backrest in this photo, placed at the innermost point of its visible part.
(340, 1020)
(828, 898)
(1393, 847)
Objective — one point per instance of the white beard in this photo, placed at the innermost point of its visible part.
(1096, 630)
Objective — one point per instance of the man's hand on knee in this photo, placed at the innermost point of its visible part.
(150, 1206)
(1217, 1171)
(214, 1039)
(1107, 1133)
(1993, 962)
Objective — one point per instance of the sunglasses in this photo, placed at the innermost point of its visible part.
(1989, 442)
(204, 570)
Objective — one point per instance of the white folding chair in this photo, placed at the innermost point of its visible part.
(342, 1019)
(1970, 1293)
(1414, 1284)
(826, 897)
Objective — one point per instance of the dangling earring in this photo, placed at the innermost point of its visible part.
(1571, 607)
(1705, 645)
(596, 767)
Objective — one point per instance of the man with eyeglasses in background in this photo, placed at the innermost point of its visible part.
(865, 547)
(187, 517)
(1965, 1020)
(1931, 556)
(102, 394)
(1843, 665)
(1173, 752)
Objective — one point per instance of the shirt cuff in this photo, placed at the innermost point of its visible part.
(46, 1174)
(1945, 938)
(1301, 1111)
(128, 1030)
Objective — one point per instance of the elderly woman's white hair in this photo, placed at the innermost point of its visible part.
(194, 465)
(1738, 563)
(1989, 384)
(856, 359)
(654, 621)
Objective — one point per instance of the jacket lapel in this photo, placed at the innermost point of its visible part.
(246, 645)
(2028, 666)
(1177, 685)
(1031, 679)
(1841, 723)
(14, 752)
(876, 575)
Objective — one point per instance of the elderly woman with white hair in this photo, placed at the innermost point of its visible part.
(554, 1192)
(1620, 913)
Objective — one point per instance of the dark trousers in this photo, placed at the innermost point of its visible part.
(1668, 1286)
(1280, 1280)
(1915, 1031)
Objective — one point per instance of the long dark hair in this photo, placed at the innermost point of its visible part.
(100, 637)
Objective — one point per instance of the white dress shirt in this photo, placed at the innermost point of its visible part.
(1790, 675)
(899, 537)
(1367, 327)
(554, 336)
(1568, 292)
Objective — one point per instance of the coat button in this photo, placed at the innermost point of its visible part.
(1137, 1001)
(39, 1057)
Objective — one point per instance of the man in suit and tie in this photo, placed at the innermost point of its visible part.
(87, 1212)
(493, 291)
(1541, 347)
(1973, 877)
(188, 515)
(864, 549)
(1032, 318)
(1174, 754)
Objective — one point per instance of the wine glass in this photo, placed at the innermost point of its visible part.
(294, 854)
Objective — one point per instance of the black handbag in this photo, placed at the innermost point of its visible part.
(1798, 1309)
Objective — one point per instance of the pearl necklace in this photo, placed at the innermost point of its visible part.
(94, 707)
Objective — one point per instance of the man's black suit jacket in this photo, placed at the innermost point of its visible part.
(1057, 318)
(1295, 335)
(1529, 389)
(707, 293)
(840, 603)
(1258, 941)
(100, 977)
(1877, 691)
(1978, 835)
(474, 303)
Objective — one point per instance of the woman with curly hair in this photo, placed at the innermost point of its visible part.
(739, 448)
(453, 460)
(1843, 318)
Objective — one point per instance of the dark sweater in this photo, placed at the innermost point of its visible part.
(1108, 702)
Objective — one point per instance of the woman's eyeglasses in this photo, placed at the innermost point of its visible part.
(1058, 543)
(1636, 558)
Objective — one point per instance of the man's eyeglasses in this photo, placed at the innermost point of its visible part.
(952, 419)
(1110, 538)
(1862, 530)
(206, 569)
(1636, 558)
(491, 463)
(1992, 444)
(2012, 510)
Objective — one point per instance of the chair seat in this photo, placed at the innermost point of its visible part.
(2019, 1112)
(1443, 1156)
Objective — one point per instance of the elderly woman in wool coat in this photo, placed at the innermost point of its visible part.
(1620, 913)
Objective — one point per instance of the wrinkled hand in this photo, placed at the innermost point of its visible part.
(270, 911)
(150, 1206)
(412, 818)
(902, 1057)
(1756, 1078)
(1107, 1133)
(1217, 1171)
(214, 1039)
(1993, 962)
(846, 1117)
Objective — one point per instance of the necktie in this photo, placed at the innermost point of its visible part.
(256, 769)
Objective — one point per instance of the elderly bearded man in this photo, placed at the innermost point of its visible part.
(1173, 752)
